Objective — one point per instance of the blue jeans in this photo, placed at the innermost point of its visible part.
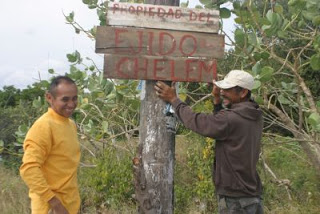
(240, 205)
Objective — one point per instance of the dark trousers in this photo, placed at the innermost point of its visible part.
(240, 205)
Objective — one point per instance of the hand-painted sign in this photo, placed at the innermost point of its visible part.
(162, 17)
(151, 42)
(159, 68)
(166, 43)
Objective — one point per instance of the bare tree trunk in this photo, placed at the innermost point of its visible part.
(154, 166)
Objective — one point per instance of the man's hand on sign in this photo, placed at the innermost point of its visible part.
(165, 92)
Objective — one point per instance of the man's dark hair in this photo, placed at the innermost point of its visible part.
(56, 81)
(238, 89)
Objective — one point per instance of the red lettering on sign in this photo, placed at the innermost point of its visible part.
(194, 45)
(115, 7)
(201, 17)
(161, 42)
(173, 77)
(139, 9)
(132, 9)
(166, 12)
(208, 68)
(117, 39)
(192, 69)
(192, 16)
(157, 69)
(118, 68)
(178, 14)
(151, 13)
(161, 12)
(144, 69)
(170, 13)
(150, 41)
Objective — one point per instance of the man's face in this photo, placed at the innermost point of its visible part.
(230, 96)
(65, 100)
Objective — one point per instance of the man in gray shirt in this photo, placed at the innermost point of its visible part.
(236, 125)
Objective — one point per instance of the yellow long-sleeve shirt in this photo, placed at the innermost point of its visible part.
(50, 161)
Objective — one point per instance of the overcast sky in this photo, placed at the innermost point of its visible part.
(35, 37)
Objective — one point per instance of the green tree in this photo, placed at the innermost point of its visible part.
(9, 96)
(279, 43)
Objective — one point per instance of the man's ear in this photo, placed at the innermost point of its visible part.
(244, 93)
(49, 98)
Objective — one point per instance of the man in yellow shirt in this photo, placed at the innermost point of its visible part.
(52, 153)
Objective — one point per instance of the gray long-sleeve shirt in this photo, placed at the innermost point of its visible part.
(238, 134)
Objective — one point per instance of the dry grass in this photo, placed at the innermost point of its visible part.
(13, 193)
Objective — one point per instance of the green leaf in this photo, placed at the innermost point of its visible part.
(257, 84)
(205, 1)
(257, 56)
(292, 2)
(92, 6)
(259, 100)
(316, 20)
(252, 38)
(309, 15)
(105, 126)
(282, 34)
(92, 67)
(22, 131)
(256, 69)
(266, 74)
(315, 62)
(283, 100)
(236, 5)
(239, 37)
(18, 144)
(86, 1)
(225, 13)
(109, 87)
(70, 18)
(71, 58)
(1, 143)
(51, 71)
(36, 103)
(75, 57)
(314, 119)
(278, 9)
(265, 55)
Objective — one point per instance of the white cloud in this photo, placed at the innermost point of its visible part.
(34, 38)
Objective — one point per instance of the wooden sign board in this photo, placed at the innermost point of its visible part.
(159, 68)
(162, 17)
(151, 42)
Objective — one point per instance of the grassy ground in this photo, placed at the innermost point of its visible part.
(13, 193)
(288, 162)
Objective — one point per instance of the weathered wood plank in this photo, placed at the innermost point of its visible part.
(138, 41)
(178, 69)
(162, 17)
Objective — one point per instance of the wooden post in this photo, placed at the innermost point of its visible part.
(154, 165)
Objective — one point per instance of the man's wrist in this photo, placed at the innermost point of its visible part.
(173, 99)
